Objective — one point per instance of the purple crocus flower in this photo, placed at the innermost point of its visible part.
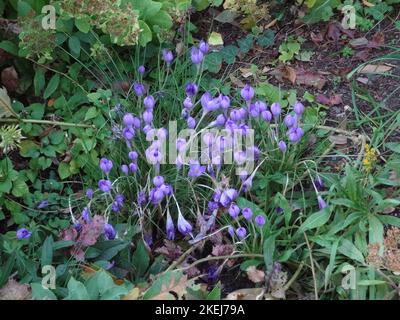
(43, 204)
(133, 155)
(254, 111)
(167, 56)
(180, 145)
(23, 234)
(170, 228)
(290, 121)
(195, 169)
(224, 102)
(156, 196)
(128, 119)
(147, 116)
(158, 181)
(261, 106)
(166, 189)
(220, 120)
(241, 232)
(133, 167)
(206, 97)
(204, 47)
(187, 103)
(105, 185)
(298, 108)
(77, 226)
(153, 154)
(227, 197)
(319, 183)
(247, 213)
(212, 205)
(247, 93)
(234, 210)
(149, 102)
(141, 70)
(89, 193)
(191, 122)
(321, 203)
(128, 133)
(196, 56)
(105, 165)
(124, 169)
(282, 146)
(139, 89)
(86, 215)
(231, 231)
(276, 109)
(236, 115)
(184, 227)
(191, 89)
(141, 198)
(259, 220)
(295, 134)
(109, 232)
(266, 115)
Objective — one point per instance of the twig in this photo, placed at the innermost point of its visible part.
(236, 256)
(50, 122)
(294, 277)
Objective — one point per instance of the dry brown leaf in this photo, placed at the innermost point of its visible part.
(237, 82)
(246, 294)
(359, 43)
(317, 38)
(284, 72)
(378, 39)
(333, 100)
(246, 72)
(338, 139)
(368, 4)
(255, 275)
(177, 285)
(9, 78)
(309, 78)
(15, 291)
(363, 80)
(375, 68)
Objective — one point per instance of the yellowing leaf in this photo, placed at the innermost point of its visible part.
(215, 39)
(5, 105)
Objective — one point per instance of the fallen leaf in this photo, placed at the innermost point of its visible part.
(375, 68)
(246, 294)
(333, 32)
(9, 78)
(255, 275)
(333, 100)
(132, 295)
(222, 250)
(339, 139)
(246, 72)
(237, 82)
(378, 39)
(226, 16)
(317, 38)
(168, 286)
(310, 78)
(368, 4)
(170, 250)
(284, 72)
(359, 43)
(363, 80)
(15, 291)
(362, 55)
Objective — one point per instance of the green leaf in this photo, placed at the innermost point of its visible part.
(161, 19)
(268, 251)
(91, 113)
(63, 170)
(23, 8)
(52, 86)
(215, 293)
(146, 35)
(394, 146)
(315, 220)
(38, 81)
(370, 282)
(229, 54)
(20, 188)
(83, 24)
(76, 290)
(140, 259)
(98, 284)
(245, 44)
(74, 45)
(40, 293)
(266, 39)
(215, 39)
(6, 109)
(10, 47)
(47, 251)
(213, 62)
(348, 249)
(322, 10)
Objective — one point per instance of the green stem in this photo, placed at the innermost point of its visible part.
(55, 123)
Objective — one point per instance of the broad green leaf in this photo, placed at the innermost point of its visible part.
(76, 290)
(6, 110)
(348, 249)
(52, 86)
(40, 293)
(268, 251)
(315, 220)
(63, 170)
(140, 259)
(74, 45)
(47, 251)
(215, 39)
(83, 24)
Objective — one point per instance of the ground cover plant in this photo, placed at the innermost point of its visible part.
(252, 153)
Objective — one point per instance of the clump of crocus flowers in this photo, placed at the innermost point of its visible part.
(217, 111)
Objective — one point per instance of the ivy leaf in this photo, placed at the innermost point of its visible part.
(213, 62)
(266, 39)
(229, 54)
